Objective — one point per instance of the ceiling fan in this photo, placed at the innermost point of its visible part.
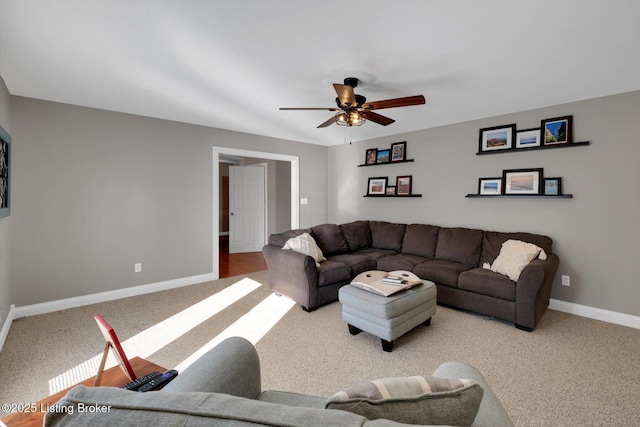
(354, 110)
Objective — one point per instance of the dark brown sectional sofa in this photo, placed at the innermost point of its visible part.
(450, 257)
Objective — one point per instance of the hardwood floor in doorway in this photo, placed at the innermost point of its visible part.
(237, 264)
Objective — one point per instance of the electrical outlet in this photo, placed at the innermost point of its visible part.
(566, 280)
(137, 267)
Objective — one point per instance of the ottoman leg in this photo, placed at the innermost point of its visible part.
(353, 330)
(387, 345)
(427, 322)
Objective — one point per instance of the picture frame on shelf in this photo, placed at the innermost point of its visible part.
(497, 138)
(403, 185)
(553, 186)
(377, 186)
(558, 130)
(527, 138)
(5, 173)
(399, 151)
(390, 191)
(382, 156)
(522, 181)
(490, 186)
(371, 157)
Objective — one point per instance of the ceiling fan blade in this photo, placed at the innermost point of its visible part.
(345, 95)
(396, 102)
(377, 118)
(329, 122)
(304, 108)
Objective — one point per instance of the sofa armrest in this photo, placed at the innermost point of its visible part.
(533, 290)
(231, 367)
(292, 274)
(491, 412)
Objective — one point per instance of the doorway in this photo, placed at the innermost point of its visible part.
(294, 195)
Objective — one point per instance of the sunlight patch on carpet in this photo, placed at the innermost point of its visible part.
(159, 335)
(253, 326)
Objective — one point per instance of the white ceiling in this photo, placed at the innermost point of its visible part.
(232, 64)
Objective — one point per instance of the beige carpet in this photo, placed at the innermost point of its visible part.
(570, 371)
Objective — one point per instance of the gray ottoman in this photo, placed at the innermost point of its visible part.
(388, 317)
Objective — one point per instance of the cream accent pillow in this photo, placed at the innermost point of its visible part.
(305, 244)
(514, 256)
(413, 400)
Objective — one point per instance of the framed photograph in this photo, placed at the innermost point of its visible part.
(377, 186)
(490, 186)
(399, 151)
(371, 157)
(403, 185)
(522, 181)
(391, 191)
(5, 172)
(528, 138)
(497, 137)
(383, 156)
(552, 186)
(557, 130)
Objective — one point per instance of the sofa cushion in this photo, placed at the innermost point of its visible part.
(461, 245)
(331, 272)
(441, 272)
(357, 262)
(281, 238)
(420, 239)
(493, 240)
(330, 239)
(486, 282)
(402, 261)
(357, 234)
(305, 244)
(413, 400)
(387, 235)
(375, 254)
(111, 406)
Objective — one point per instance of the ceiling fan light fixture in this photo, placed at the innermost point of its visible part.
(349, 118)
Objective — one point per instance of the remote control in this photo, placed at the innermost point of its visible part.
(159, 382)
(138, 382)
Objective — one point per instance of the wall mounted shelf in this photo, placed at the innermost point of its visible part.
(519, 196)
(392, 195)
(386, 163)
(541, 147)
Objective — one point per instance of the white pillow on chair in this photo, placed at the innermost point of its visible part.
(305, 244)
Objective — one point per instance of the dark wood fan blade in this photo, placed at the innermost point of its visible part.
(319, 108)
(377, 118)
(396, 102)
(345, 95)
(329, 122)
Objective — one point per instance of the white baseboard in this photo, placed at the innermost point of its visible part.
(596, 313)
(4, 332)
(63, 304)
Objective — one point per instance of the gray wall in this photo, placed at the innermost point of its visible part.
(595, 234)
(97, 191)
(5, 289)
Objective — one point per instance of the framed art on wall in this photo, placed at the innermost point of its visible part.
(383, 156)
(371, 157)
(497, 138)
(557, 130)
(522, 181)
(528, 138)
(377, 186)
(552, 186)
(5, 172)
(403, 185)
(490, 186)
(399, 151)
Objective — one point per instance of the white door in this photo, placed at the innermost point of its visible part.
(246, 209)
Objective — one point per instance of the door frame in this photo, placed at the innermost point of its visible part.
(295, 192)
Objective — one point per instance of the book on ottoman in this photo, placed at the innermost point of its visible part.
(386, 283)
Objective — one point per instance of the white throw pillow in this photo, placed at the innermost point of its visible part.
(514, 256)
(305, 244)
